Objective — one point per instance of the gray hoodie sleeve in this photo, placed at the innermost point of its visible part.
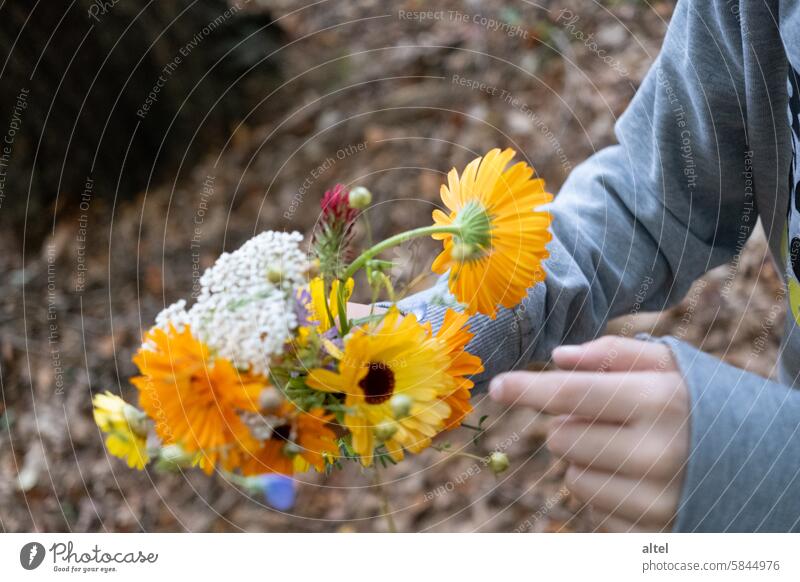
(638, 222)
(633, 227)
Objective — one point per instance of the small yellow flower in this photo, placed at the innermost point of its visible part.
(125, 427)
(318, 311)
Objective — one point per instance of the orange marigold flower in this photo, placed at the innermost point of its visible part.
(194, 398)
(454, 335)
(298, 440)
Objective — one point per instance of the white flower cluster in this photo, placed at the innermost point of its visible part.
(245, 309)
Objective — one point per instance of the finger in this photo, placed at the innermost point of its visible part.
(614, 354)
(637, 500)
(613, 397)
(360, 310)
(611, 448)
(613, 524)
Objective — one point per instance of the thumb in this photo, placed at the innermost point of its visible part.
(613, 354)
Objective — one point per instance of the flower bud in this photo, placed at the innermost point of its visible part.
(291, 449)
(270, 399)
(385, 430)
(274, 275)
(359, 198)
(463, 252)
(401, 405)
(173, 457)
(136, 419)
(313, 268)
(498, 462)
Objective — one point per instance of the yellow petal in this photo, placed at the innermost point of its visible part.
(325, 380)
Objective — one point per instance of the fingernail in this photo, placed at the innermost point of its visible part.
(567, 351)
(496, 387)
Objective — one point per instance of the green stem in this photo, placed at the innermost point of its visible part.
(395, 240)
(368, 254)
(461, 454)
(386, 507)
(367, 318)
(342, 307)
(472, 427)
(325, 295)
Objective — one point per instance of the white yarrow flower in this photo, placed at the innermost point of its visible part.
(245, 310)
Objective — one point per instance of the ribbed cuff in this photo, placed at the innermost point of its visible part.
(743, 473)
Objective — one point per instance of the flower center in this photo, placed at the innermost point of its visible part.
(378, 384)
(281, 433)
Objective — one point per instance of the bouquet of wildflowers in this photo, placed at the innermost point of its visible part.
(265, 373)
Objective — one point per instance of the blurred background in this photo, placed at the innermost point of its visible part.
(139, 141)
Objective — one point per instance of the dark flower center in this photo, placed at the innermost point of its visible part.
(378, 384)
(281, 433)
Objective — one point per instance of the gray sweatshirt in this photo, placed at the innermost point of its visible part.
(707, 147)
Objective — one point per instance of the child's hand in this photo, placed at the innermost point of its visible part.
(622, 424)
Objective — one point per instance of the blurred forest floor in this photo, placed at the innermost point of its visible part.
(374, 98)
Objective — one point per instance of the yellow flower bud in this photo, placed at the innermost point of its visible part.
(463, 252)
(498, 462)
(313, 268)
(173, 457)
(401, 405)
(385, 430)
(136, 419)
(359, 198)
(291, 449)
(270, 399)
(274, 275)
